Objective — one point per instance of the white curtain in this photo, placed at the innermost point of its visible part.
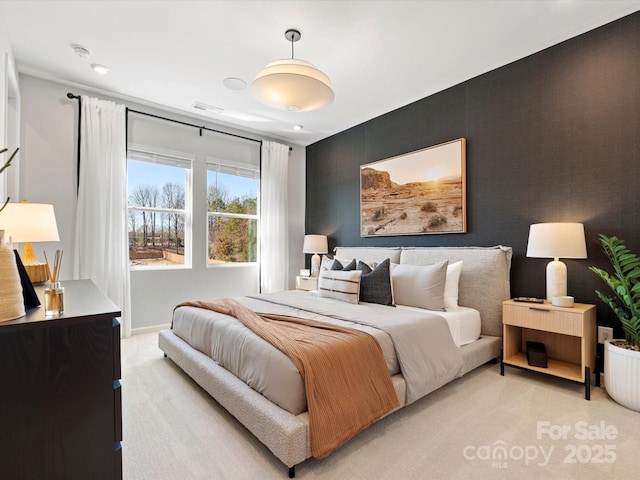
(274, 218)
(101, 220)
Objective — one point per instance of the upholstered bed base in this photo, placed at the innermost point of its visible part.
(286, 435)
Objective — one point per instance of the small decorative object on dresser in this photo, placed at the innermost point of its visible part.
(11, 300)
(622, 357)
(54, 293)
(568, 335)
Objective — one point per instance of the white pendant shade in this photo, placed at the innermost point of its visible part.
(292, 85)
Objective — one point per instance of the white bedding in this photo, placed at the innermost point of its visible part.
(464, 323)
(226, 341)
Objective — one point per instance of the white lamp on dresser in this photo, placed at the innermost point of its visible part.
(30, 223)
(315, 244)
(556, 240)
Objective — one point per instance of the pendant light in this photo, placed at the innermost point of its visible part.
(292, 85)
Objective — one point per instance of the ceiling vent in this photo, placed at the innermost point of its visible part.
(206, 108)
(81, 51)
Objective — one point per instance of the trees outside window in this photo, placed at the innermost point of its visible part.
(232, 214)
(157, 211)
(160, 210)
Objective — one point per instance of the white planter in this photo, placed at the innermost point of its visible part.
(622, 375)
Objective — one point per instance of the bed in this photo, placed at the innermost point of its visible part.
(273, 407)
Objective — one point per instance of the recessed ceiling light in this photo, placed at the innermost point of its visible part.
(235, 83)
(298, 127)
(81, 51)
(101, 69)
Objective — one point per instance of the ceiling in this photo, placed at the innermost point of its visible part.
(379, 55)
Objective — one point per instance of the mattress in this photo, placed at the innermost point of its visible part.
(234, 347)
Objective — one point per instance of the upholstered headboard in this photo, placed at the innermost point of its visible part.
(484, 280)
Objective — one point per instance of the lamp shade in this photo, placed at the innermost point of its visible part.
(292, 85)
(29, 222)
(315, 244)
(556, 240)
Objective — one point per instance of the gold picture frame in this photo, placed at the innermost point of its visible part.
(421, 192)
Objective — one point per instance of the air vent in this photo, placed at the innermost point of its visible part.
(81, 51)
(206, 108)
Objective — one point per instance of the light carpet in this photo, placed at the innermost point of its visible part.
(483, 426)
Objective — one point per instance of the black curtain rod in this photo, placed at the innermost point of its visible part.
(71, 96)
(77, 97)
(192, 125)
(196, 126)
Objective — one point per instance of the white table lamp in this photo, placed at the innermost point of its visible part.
(556, 240)
(315, 244)
(26, 223)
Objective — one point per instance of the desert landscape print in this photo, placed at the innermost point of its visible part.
(420, 192)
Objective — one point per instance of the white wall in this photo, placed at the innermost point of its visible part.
(49, 153)
(9, 115)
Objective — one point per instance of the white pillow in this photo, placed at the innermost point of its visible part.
(451, 285)
(340, 285)
(326, 263)
(419, 286)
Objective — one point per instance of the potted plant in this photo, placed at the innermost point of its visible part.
(622, 357)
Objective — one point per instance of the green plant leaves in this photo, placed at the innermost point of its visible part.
(624, 283)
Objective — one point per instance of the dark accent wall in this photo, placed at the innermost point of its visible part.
(552, 137)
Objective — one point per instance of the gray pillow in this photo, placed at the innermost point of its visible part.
(419, 286)
(348, 267)
(375, 285)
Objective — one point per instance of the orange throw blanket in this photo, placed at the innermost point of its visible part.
(346, 380)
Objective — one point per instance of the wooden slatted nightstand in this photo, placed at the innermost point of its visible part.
(569, 336)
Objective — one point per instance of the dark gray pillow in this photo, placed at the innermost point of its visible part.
(375, 285)
(338, 266)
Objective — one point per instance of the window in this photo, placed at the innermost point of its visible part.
(193, 196)
(158, 209)
(232, 213)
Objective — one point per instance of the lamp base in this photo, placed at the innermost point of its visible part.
(315, 265)
(556, 279)
(37, 272)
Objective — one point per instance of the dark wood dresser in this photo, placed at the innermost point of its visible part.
(60, 396)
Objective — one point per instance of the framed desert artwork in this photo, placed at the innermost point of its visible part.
(416, 193)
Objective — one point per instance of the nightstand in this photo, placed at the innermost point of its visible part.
(306, 283)
(569, 336)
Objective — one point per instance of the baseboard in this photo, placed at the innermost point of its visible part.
(152, 329)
